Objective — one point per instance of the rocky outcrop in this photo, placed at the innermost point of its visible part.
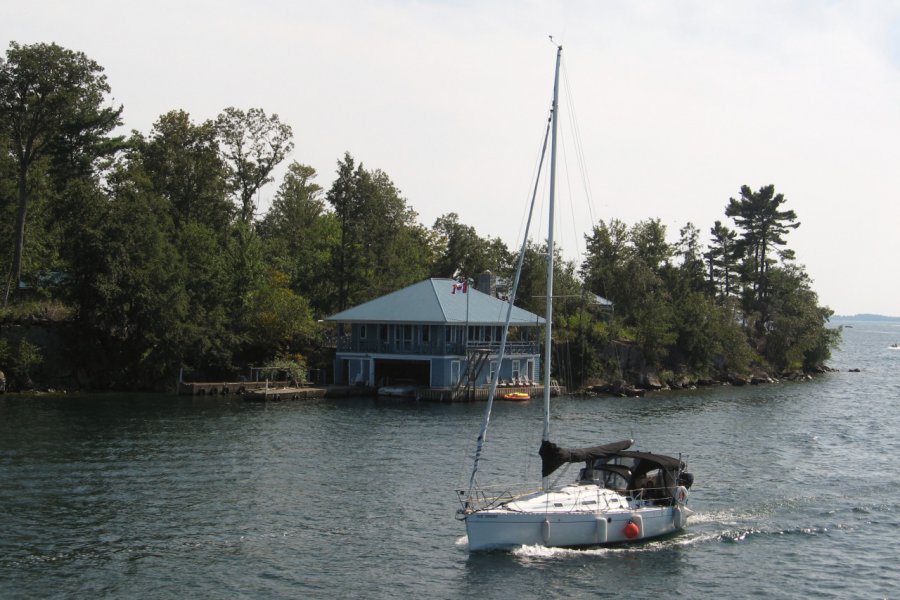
(618, 388)
(637, 383)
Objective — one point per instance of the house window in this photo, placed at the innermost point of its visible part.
(493, 370)
(362, 332)
(407, 337)
(515, 369)
(426, 332)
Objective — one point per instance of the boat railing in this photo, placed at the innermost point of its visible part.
(657, 496)
(484, 498)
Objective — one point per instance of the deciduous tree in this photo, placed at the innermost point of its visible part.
(181, 160)
(252, 144)
(299, 235)
(51, 106)
(460, 251)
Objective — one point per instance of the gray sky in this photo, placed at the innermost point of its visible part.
(677, 105)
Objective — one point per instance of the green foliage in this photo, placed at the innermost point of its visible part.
(722, 258)
(280, 320)
(648, 241)
(20, 359)
(8, 201)
(244, 260)
(692, 269)
(686, 316)
(131, 283)
(299, 236)
(28, 359)
(210, 335)
(799, 338)
(37, 310)
(252, 144)
(584, 329)
(763, 227)
(460, 251)
(52, 118)
(379, 247)
(654, 326)
(604, 263)
(292, 364)
(183, 165)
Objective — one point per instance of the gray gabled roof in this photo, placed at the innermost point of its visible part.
(433, 301)
(601, 301)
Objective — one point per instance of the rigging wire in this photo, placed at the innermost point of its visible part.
(482, 436)
(578, 145)
(535, 179)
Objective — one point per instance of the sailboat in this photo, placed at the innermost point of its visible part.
(619, 494)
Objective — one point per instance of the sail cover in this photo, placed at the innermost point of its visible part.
(553, 456)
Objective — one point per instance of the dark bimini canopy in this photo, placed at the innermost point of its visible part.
(553, 456)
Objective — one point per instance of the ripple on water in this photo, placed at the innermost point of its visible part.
(128, 497)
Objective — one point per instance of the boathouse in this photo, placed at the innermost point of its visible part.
(436, 333)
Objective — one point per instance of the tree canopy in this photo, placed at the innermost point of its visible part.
(51, 110)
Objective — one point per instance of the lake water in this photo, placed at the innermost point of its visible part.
(796, 493)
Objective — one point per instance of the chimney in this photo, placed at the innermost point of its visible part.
(486, 283)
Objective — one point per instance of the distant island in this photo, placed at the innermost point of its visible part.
(864, 317)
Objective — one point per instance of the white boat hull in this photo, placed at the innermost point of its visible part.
(560, 524)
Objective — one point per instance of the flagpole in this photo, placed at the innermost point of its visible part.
(468, 358)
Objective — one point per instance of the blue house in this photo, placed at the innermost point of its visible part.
(435, 334)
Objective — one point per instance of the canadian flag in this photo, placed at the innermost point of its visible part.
(460, 285)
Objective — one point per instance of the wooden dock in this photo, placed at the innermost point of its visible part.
(479, 393)
(273, 390)
(275, 394)
(261, 391)
(225, 388)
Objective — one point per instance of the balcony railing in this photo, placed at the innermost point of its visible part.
(347, 344)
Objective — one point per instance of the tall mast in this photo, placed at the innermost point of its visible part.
(548, 340)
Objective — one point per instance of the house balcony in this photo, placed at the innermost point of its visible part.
(347, 344)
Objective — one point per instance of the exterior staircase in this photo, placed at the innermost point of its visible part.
(476, 358)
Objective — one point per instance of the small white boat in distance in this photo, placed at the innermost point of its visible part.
(400, 389)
